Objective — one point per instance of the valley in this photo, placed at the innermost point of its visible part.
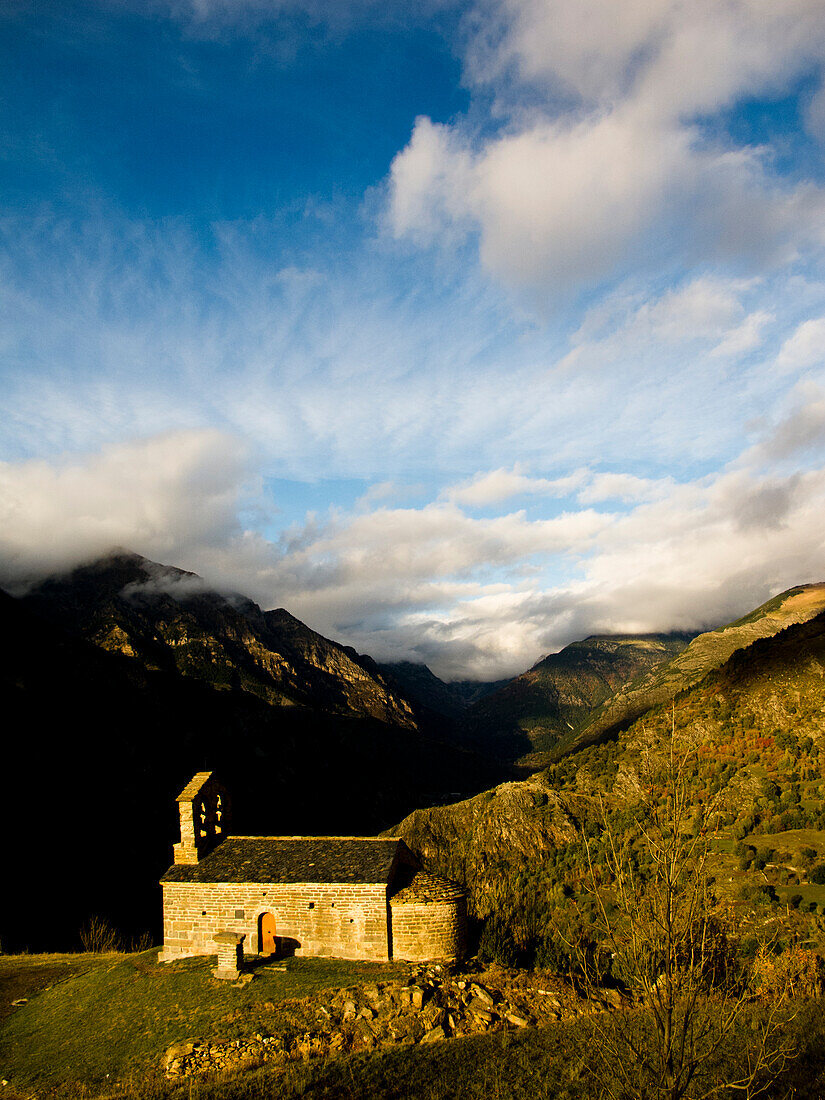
(125, 676)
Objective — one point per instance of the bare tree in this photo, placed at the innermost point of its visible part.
(672, 943)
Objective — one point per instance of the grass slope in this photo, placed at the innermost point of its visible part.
(98, 1026)
(96, 1017)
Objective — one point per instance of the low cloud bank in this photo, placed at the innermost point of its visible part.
(475, 596)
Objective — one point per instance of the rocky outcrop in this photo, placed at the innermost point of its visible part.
(434, 1003)
(524, 817)
(465, 840)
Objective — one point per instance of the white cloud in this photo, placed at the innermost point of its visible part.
(675, 58)
(503, 484)
(574, 192)
(161, 497)
(805, 348)
(745, 337)
(797, 434)
(471, 596)
(625, 487)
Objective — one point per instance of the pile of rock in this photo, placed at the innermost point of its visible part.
(435, 1002)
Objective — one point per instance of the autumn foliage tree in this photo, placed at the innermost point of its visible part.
(673, 946)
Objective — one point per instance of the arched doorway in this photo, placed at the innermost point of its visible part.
(266, 934)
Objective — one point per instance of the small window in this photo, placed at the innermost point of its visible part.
(311, 905)
(203, 912)
(239, 914)
(332, 906)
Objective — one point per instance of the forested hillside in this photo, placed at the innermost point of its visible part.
(752, 732)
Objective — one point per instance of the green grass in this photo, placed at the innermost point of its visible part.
(795, 840)
(109, 1015)
(538, 1064)
(98, 1026)
(28, 975)
(808, 891)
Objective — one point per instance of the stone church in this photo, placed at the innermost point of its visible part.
(345, 897)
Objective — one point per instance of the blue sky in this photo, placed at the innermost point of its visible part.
(459, 329)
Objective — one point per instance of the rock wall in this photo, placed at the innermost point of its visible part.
(345, 921)
(429, 930)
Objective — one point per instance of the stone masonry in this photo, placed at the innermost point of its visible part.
(230, 955)
(342, 920)
(429, 919)
(345, 897)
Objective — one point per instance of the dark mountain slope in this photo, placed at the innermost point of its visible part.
(421, 686)
(170, 620)
(705, 653)
(760, 721)
(98, 744)
(545, 706)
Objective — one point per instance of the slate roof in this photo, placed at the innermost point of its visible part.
(424, 889)
(289, 859)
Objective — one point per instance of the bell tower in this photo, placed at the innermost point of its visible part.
(204, 817)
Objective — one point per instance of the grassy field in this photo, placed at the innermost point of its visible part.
(792, 840)
(93, 1018)
(95, 1026)
(556, 1063)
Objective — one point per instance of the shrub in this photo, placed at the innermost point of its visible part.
(797, 972)
(817, 875)
(497, 943)
(98, 936)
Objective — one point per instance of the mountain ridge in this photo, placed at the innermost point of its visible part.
(758, 719)
(541, 708)
(705, 652)
(170, 619)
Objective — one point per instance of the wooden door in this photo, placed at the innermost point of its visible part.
(268, 939)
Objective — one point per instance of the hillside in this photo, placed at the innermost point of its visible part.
(102, 742)
(170, 620)
(759, 724)
(99, 732)
(420, 685)
(546, 706)
(524, 819)
(105, 1026)
(705, 653)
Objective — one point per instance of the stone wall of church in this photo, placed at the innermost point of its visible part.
(429, 929)
(341, 920)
